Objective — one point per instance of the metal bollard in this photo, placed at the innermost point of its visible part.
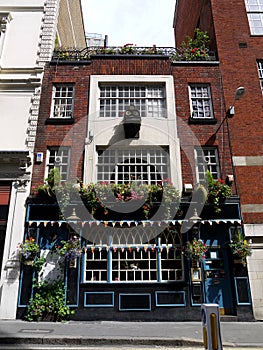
(211, 327)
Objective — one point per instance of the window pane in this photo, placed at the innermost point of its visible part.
(62, 101)
(201, 103)
(149, 100)
(58, 158)
(139, 165)
(137, 262)
(255, 16)
(260, 73)
(206, 159)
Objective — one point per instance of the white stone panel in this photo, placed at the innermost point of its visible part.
(22, 39)
(14, 119)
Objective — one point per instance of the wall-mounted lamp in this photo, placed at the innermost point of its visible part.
(196, 221)
(239, 93)
(229, 180)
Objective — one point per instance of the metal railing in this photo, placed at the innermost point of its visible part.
(174, 54)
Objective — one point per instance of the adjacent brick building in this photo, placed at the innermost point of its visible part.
(235, 29)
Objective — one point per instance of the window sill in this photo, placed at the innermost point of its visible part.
(202, 121)
(60, 121)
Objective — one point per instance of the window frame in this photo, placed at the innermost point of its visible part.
(149, 98)
(205, 101)
(209, 166)
(158, 260)
(255, 15)
(51, 165)
(260, 73)
(155, 172)
(69, 112)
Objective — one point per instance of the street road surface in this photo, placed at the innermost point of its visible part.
(115, 347)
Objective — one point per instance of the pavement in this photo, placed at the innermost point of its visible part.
(110, 333)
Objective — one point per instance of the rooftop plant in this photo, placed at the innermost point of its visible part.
(194, 49)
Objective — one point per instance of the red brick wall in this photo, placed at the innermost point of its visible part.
(189, 135)
(193, 14)
(53, 135)
(238, 67)
(186, 19)
(206, 135)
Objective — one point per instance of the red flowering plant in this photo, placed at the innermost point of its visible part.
(218, 191)
(70, 249)
(128, 49)
(106, 195)
(196, 249)
(194, 49)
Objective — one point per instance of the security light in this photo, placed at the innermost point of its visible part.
(239, 93)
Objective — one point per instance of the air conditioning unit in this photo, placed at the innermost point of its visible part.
(58, 159)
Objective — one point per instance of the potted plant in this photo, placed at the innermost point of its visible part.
(240, 248)
(196, 249)
(70, 249)
(102, 197)
(218, 192)
(29, 250)
(48, 188)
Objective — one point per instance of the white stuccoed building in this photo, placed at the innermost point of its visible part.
(29, 30)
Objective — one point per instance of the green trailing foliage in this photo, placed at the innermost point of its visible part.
(48, 303)
(100, 196)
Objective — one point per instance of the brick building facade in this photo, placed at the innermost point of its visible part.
(135, 118)
(236, 30)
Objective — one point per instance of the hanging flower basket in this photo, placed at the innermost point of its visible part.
(28, 250)
(241, 250)
(196, 249)
(70, 249)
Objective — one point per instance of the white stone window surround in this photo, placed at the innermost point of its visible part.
(154, 131)
(200, 101)
(255, 16)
